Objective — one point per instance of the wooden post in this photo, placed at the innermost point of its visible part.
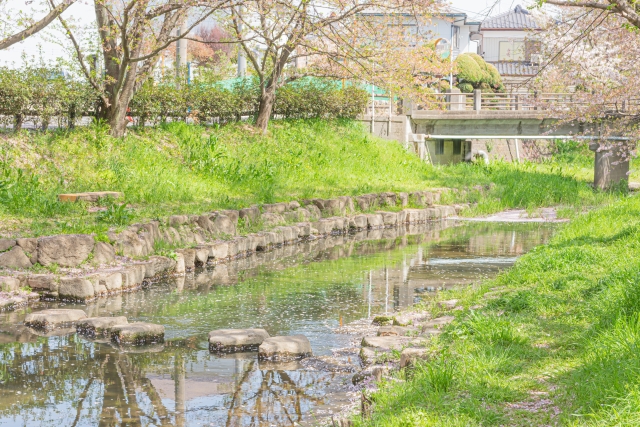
(477, 100)
(518, 104)
(535, 100)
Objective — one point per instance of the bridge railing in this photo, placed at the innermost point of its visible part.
(456, 101)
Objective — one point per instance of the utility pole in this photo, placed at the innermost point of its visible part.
(242, 61)
(181, 49)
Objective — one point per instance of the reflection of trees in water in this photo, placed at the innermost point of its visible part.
(112, 387)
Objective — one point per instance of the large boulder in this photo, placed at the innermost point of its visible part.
(65, 250)
(99, 326)
(30, 248)
(285, 348)
(138, 333)
(15, 258)
(47, 319)
(233, 340)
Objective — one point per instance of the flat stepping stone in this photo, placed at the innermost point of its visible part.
(285, 348)
(408, 319)
(138, 333)
(389, 331)
(91, 196)
(383, 319)
(448, 304)
(236, 340)
(99, 326)
(54, 318)
(385, 343)
(438, 322)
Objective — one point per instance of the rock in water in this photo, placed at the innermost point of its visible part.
(285, 348)
(233, 340)
(138, 333)
(99, 326)
(47, 319)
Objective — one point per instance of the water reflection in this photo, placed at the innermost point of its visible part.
(59, 379)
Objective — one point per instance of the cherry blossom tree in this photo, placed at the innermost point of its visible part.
(363, 39)
(28, 23)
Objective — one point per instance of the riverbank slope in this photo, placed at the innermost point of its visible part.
(552, 341)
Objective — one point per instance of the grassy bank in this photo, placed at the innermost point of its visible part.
(556, 342)
(179, 168)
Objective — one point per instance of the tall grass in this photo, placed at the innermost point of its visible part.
(180, 168)
(557, 341)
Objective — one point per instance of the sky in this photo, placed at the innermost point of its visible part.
(44, 44)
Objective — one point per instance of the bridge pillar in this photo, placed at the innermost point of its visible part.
(611, 166)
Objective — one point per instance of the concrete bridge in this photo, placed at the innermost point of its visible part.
(456, 127)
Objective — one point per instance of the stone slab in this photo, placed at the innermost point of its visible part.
(47, 319)
(385, 343)
(236, 340)
(99, 326)
(284, 348)
(138, 333)
(91, 196)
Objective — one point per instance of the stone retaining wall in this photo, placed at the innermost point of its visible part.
(88, 269)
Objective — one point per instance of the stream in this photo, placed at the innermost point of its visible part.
(317, 289)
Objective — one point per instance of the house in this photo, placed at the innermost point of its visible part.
(508, 42)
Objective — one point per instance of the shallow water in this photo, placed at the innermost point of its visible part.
(314, 290)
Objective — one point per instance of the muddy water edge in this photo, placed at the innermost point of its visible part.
(317, 289)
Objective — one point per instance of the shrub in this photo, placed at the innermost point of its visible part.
(466, 87)
(474, 70)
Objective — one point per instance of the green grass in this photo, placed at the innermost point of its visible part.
(186, 169)
(557, 341)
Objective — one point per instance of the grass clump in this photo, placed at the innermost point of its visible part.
(556, 343)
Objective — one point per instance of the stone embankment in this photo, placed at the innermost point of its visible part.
(83, 268)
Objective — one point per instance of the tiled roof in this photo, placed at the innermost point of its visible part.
(513, 68)
(516, 19)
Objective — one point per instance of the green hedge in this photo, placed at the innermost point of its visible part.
(44, 94)
(473, 70)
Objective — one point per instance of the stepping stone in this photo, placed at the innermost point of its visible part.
(372, 373)
(408, 319)
(99, 326)
(47, 319)
(383, 319)
(388, 331)
(92, 196)
(438, 322)
(236, 340)
(385, 343)
(285, 348)
(138, 333)
(410, 356)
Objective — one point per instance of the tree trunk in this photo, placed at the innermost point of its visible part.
(267, 101)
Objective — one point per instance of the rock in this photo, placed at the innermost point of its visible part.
(389, 219)
(388, 331)
(91, 196)
(178, 220)
(371, 374)
(111, 280)
(294, 205)
(438, 322)
(275, 208)
(285, 348)
(138, 333)
(404, 199)
(383, 319)
(448, 304)
(234, 340)
(99, 326)
(232, 214)
(47, 319)
(180, 267)
(189, 258)
(374, 221)
(358, 222)
(47, 282)
(409, 356)
(370, 355)
(65, 250)
(6, 244)
(385, 343)
(76, 289)
(251, 214)
(271, 219)
(223, 226)
(429, 332)
(103, 253)
(15, 258)
(30, 248)
(9, 284)
(407, 319)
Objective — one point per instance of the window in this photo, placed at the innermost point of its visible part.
(457, 147)
(456, 37)
(511, 51)
(439, 147)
